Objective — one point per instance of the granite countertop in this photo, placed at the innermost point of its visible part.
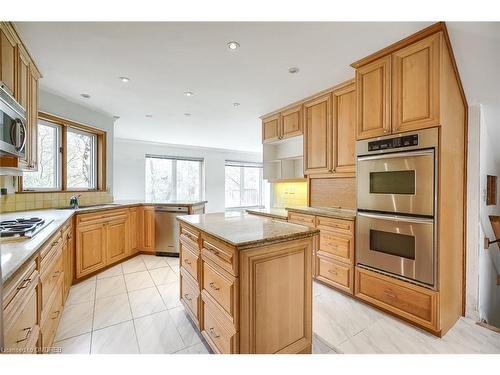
(277, 213)
(336, 213)
(244, 231)
(14, 253)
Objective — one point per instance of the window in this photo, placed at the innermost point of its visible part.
(173, 178)
(47, 176)
(243, 185)
(81, 156)
(71, 157)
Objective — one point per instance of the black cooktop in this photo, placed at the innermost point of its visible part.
(21, 227)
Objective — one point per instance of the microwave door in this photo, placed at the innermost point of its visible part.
(400, 182)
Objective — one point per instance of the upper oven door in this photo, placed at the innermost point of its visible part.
(397, 244)
(401, 182)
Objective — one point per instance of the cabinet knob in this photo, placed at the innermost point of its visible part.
(213, 286)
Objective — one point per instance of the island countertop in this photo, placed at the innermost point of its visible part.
(244, 231)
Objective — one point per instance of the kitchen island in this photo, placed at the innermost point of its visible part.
(246, 282)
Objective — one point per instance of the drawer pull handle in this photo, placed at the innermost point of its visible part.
(186, 296)
(333, 272)
(68, 236)
(213, 333)
(28, 334)
(55, 243)
(389, 293)
(213, 286)
(57, 273)
(25, 284)
(55, 315)
(212, 250)
(187, 262)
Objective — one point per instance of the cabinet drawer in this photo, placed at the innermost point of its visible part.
(16, 289)
(337, 274)
(301, 219)
(191, 238)
(407, 300)
(222, 287)
(190, 295)
(339, 247)
(51, 245)
(337, 225)
(220, 254)
(219, 333)
(51, 321)
(49, 278)
(106, 215)
(189, 261)
(22, 333)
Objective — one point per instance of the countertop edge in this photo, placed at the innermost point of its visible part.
(266, 214)
(347, 215)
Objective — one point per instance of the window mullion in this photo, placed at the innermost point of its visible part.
(242, 184)
(174, 179)
(62, 169)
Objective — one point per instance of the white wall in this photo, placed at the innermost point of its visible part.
(59, 106)
(130, 162)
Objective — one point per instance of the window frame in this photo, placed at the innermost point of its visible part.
(242, 165)
(100, 155)
(174, 172)
(95, 157)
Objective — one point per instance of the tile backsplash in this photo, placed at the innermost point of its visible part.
(287, 194)
(33, 201)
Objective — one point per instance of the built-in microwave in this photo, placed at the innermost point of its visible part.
(12, 126)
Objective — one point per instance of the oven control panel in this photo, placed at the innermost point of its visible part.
(386, 144)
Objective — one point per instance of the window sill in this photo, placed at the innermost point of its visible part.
(60, 191)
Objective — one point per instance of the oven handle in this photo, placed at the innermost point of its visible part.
(397, 155)
(416, 220)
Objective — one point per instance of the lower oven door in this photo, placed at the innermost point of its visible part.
(400, 245)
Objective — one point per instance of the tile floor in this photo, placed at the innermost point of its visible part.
(134, 307)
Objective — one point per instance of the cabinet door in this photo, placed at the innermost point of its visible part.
(291, 122)
(22, 96)
(133, 222)
(318, 135)
(116, 239)
(271, 129)
(8, 61)
(32, 116)
(69, 261)
(373, 87)
(90, 248)
(148, 228)
(415, 85)
(344, 126)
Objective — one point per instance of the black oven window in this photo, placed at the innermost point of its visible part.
(400, 245)
(393, 182)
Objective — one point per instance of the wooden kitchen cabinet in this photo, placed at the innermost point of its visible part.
(117, 244)
(344, 128)
(318, 135)
(8, 58)
(90, 251)
(134, 230)
(291, 122)
(32, 120)
(373, 87)
(68, 256)
(415, 85)
(148, 228)
(271, 128)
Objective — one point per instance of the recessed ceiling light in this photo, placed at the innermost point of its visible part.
(188, 93)
(236, 104)
(187, 114)
(233, 45)
(124, 79)
(293, 70)
(116, 117)
(86, 96)
(149, 116)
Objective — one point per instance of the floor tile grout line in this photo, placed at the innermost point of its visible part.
(93, 314)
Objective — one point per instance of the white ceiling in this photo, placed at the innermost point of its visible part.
(165, 59)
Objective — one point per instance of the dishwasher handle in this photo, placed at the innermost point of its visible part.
(171, 209)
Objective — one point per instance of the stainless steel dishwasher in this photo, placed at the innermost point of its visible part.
(167, 229)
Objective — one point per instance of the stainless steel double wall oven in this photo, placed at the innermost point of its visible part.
(397, 196)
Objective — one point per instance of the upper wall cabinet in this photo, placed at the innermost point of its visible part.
(285, 124)
(318, 135)
(399, 90)
(8, 60)
(19, 77)
(344, 128)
